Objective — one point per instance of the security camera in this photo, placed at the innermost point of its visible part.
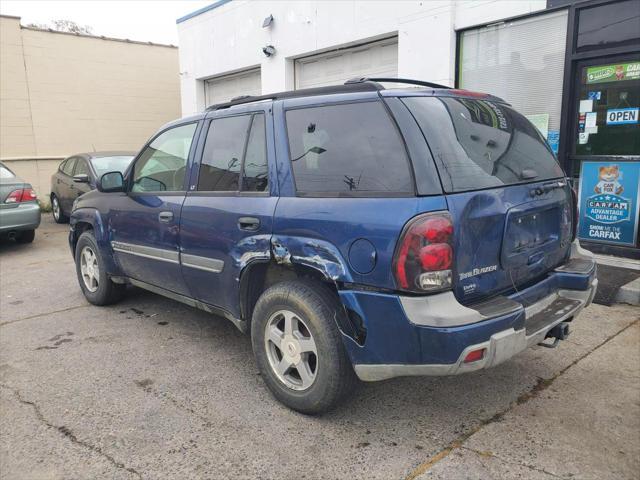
(269, 50)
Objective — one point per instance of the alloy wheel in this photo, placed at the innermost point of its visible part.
(55, 206)
(89, 269)
(291, 350)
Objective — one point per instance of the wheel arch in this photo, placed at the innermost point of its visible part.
(90, 219)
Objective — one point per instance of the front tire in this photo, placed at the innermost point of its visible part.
(56, 209)
(298, 346)
(96, 285)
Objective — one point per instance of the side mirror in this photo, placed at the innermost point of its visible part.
(81, 178)
(111, 182)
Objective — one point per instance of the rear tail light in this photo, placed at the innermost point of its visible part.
(21, 195)
(424, 255)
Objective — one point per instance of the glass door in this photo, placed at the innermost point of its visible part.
(606, 109)
(605, 149)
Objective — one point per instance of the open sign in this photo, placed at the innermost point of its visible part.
(621, 116)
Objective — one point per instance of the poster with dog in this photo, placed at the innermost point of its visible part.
(608, 202)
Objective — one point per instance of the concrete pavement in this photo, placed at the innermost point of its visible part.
(153, 389)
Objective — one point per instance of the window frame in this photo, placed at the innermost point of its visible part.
(233, 193)
(132, 166)
(87, 163)
(73, 159)
(351, 194)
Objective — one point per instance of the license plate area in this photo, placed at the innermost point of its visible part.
(529, 235)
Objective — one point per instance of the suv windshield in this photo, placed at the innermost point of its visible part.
(103, 165)
(481, 144)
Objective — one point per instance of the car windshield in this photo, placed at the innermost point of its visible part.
(103, 165)
(481, 144)
(5, 172)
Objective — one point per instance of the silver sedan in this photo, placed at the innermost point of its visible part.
(19, 208)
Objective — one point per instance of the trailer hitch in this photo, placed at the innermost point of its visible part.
(559, 332)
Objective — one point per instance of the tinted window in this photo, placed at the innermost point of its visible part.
(480, 144)
(347, 148)
(254, 178)
(67, 166)
(235, 144)
(81, 168)
(103, 165)
(223, 151)
(608, 25)
(162, 164)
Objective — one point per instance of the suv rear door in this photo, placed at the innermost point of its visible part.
(228, 212)
(510, 204)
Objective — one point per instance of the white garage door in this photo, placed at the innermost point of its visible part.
(378, 59)
(223, 89)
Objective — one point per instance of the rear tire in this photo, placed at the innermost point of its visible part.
(309, 371)
(96, 285)
(26, 236)
(56, 209)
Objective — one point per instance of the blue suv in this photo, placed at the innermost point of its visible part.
(355, 232)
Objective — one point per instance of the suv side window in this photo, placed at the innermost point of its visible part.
(81, 167)
(346, 149)
(254, 171)
(235, 156)
(67, 166)
(162, 164)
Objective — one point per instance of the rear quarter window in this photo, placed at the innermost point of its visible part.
(480, 144)
(347, 149)
(5, 172)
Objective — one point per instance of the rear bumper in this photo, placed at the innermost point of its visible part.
(432, 336)
(24, 216)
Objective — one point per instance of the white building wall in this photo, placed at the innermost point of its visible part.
(230, 38)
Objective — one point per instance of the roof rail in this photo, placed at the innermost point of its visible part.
(395, 80)
(307, 92)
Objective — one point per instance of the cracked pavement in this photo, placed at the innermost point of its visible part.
(152, 389)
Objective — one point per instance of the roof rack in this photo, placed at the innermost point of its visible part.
(306, 92)
(394, 80)
(363, 84)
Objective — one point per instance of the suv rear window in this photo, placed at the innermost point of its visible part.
(347, 149)
(480, 144)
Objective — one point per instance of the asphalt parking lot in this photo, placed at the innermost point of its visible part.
(153, 389)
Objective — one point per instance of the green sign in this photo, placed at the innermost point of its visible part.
(613, 73)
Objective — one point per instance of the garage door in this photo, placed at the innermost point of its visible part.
(223, 89)
(378, 59)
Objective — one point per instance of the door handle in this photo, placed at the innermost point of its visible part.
(165, 217)
(249, 223)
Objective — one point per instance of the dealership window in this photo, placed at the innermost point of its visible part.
(608, 108)
(604, 26)
(521, 61)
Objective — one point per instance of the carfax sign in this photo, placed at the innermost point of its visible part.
(609, 196)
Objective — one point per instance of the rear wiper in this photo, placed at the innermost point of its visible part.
(547, 187)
